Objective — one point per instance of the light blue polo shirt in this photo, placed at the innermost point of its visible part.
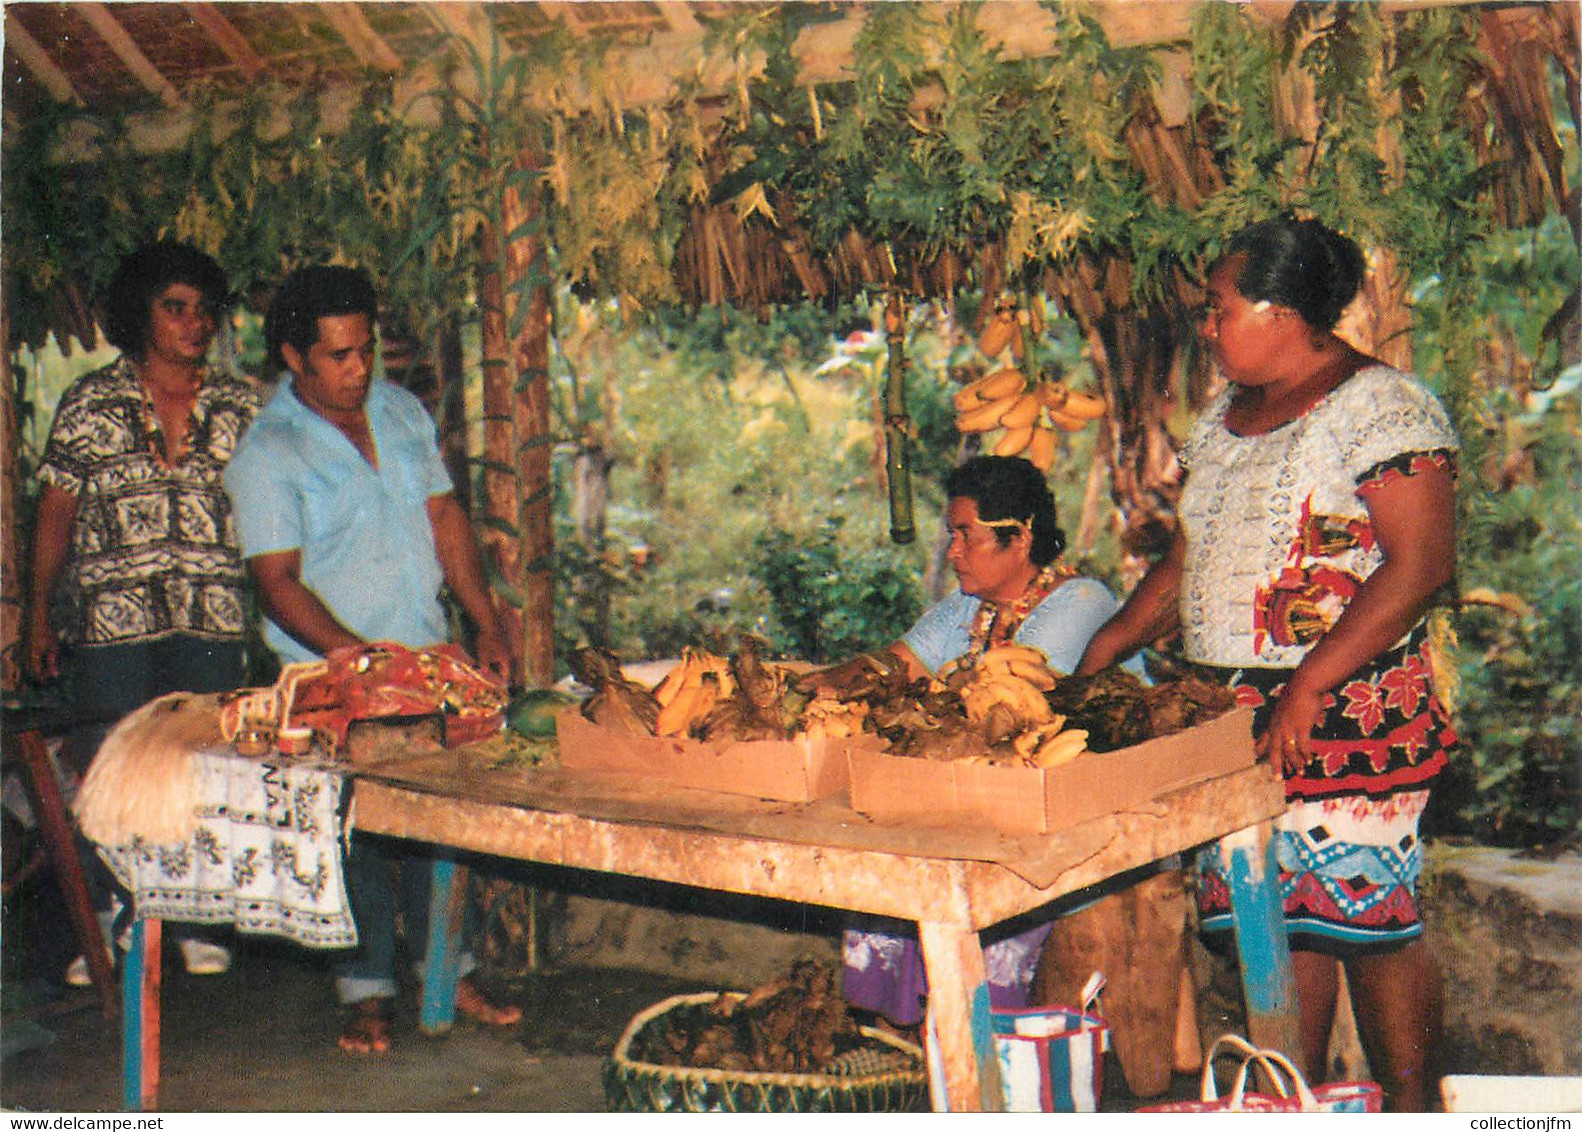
(296, 483)
(1061, 625)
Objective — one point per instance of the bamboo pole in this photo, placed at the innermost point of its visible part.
(897, 426)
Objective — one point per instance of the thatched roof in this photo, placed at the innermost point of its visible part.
(159, 58)
(106, 56)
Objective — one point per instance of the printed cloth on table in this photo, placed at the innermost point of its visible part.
(265, 856)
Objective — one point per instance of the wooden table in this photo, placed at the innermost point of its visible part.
(952, 880)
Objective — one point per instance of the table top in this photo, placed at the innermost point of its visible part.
(818, 852)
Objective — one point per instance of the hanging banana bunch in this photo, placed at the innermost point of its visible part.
(1025, 406)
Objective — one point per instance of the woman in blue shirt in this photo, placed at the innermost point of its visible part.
(1005, 546)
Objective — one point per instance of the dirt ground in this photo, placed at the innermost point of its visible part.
(261, 1038)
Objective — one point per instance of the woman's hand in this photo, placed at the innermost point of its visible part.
(1288, 740)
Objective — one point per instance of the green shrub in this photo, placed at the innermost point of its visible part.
(830, 605)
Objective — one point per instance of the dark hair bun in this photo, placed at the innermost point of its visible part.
(1302, 265)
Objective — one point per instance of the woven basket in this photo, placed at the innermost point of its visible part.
(884, 1075)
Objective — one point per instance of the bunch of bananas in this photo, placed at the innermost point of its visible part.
(826, 717)
(690, 690)
(1028, 412)
(1006, 697)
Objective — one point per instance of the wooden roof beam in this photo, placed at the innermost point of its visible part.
(353, 27)
(38, 62)
(109, 29)
(226, 37)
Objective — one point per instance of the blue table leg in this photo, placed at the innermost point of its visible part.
(1267, 979)
(140, 987)
(447, 905)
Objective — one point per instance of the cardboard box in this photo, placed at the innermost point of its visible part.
(1024, 800)
(792, 770)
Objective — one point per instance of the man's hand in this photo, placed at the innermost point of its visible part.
(41, 654)
(494, 654)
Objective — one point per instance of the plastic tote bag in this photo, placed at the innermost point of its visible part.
(1292, 1093)
(1052, 1057)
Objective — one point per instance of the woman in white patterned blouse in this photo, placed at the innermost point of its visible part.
(1317, 527)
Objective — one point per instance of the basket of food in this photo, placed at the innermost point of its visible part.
(788, 1046)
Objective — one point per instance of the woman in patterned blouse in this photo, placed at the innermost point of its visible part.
(133, 524)
(1316, 529)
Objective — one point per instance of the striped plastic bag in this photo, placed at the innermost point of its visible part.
(1292, 1093)
(1052, 1057)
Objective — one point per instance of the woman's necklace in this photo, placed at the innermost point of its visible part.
(155, 433)
(994, 624)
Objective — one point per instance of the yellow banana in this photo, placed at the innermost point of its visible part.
(1024, 700)
(1084, 406)
(1028, 742)
(1067, 421)
(1000, 383)
(1022, 414)
(1003, 382)
(1018, 345)
(1039, 676)
(986, 416)
(1062, 748)
(684, 674)
(967, 396)
(1013, 442)
(1041, 448)
(997, 335)
(676, 716)
(1012, 651)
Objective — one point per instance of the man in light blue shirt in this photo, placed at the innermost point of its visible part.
(350, 529)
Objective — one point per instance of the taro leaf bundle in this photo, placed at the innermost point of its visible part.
(1117, 710)
(617, 703)
(1108, 705)
(798, 1024)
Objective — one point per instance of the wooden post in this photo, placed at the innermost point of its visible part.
(958, 998)
(447, 903)
(55, 825)
(140, 989)
(1257, 911)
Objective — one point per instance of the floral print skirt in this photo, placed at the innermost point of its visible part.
(1347, 846)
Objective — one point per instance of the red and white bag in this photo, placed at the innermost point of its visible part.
(1292, 1092)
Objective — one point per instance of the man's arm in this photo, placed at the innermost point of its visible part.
(294, 607)
(463, 568)
(57, 511)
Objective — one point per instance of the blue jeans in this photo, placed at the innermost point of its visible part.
(384, 876)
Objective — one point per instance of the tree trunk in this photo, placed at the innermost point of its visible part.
(453, 441)
(10, 498)
(518, 491)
